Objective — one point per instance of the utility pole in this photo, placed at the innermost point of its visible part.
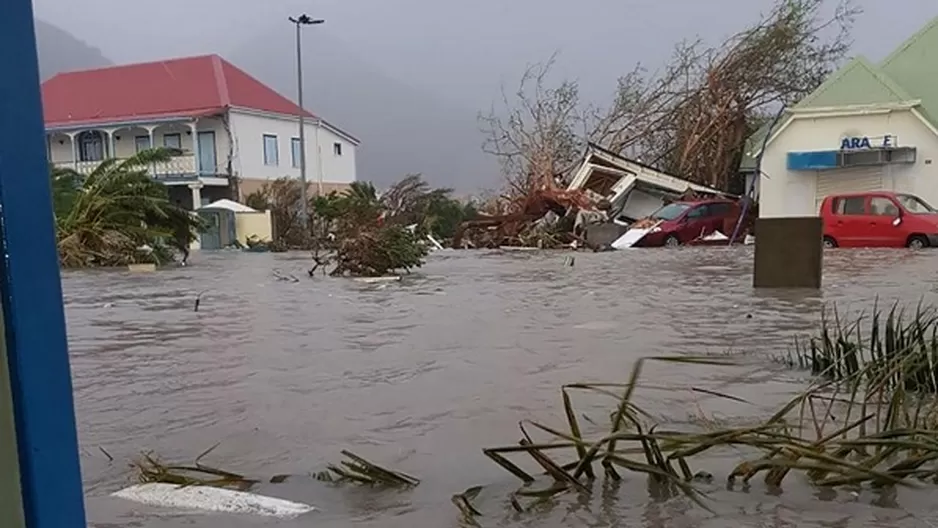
(302, 20)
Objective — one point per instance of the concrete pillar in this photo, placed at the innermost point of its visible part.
(196, 189)
(152, 145)
(109, 147)
(71, 141)
(195, 147)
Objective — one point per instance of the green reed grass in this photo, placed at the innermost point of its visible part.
(357, 469)
(869, 419)
(893, 347)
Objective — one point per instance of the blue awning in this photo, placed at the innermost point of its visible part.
(816, 160)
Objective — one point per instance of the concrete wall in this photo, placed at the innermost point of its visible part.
(256, 224)
(249, 130)
(792, 193)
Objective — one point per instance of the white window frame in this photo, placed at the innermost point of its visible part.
(271, 157)
(295, 147)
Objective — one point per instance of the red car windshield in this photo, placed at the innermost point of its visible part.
(914, 204)
(670, 211)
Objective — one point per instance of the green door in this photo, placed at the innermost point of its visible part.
(211, 237)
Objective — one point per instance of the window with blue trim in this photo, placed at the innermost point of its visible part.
(271, 152)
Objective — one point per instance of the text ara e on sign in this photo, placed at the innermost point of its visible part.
(865, 142)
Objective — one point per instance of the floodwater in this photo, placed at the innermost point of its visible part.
(421, 375)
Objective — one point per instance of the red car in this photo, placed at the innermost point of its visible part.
(683, 222)
(878, 219)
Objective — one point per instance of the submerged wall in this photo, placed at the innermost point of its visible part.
(254, 224)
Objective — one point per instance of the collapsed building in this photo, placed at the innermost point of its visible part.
(607, 194)
(633, 189)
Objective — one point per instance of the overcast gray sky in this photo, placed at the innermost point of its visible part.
(463, 50)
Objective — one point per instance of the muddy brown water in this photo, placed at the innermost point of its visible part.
(420, 375)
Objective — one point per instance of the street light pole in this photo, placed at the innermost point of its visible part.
(302, 20)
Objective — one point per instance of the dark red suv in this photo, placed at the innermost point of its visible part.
(682, 222)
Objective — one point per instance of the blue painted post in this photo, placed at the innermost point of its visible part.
(32, 291)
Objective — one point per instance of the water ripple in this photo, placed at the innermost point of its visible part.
(440, 365)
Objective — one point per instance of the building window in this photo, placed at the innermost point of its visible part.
(91, 146)
(173, 141)
(881, 206)
(337, 149)
(295, 151)
(141, 143)
(271, 154)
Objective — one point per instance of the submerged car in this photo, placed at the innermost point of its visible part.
(682, 222)
(879, 219)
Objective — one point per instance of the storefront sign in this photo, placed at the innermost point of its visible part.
(865, 142)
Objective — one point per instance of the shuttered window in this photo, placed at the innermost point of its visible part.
(852, 180)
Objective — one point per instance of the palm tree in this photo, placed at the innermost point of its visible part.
(104, 218)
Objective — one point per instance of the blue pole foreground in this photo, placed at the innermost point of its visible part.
(31, 290)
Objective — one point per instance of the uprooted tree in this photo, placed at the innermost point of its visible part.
(360, 232)
(690, 119)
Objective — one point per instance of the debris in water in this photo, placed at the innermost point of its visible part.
(463, 501)
(359, 470)
(151, 469)
(883, 438)
(198, 300)
(212, 499)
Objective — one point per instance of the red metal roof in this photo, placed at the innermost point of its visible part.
(186, 87)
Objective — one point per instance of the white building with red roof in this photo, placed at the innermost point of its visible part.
(229, 127)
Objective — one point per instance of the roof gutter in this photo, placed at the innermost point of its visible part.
(130, 122)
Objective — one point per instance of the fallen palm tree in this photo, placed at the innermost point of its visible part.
(360, 471)
(118, 215)
(149, 469)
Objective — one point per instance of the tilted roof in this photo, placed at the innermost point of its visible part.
(185, 87)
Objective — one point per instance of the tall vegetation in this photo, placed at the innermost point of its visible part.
(868, 419)
(691, 117)
(364, 232)
(118, 214)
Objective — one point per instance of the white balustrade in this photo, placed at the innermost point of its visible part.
(177, 167)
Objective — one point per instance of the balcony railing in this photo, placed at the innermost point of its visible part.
(178, 168)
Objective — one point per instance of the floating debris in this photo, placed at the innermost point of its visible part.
(463, 501)
(375, 280)
(357, 469)
(213, 499)
(150, 469)
(198, 300)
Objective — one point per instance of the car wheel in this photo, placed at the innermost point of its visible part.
(917, 242)
(829, 242)
(672, 241)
